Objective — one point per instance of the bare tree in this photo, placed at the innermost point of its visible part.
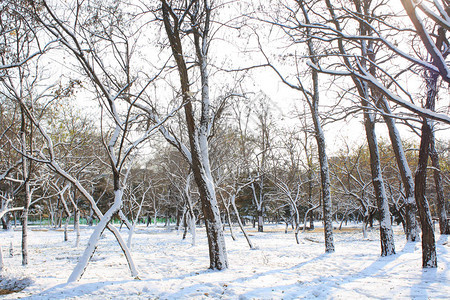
(193, 18)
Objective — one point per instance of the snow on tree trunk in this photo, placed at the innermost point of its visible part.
(227, 209)
(325, 183)
(412, 232)
(25, 237)
(258, 201)
(93, 241)
(260, 220)
(192, 228)
(198, 132)
(313, 103)
(66, 228)
(27, 201)
(210, 208)
(130, 236)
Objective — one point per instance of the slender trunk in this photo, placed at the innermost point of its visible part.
(192, 228)
(227, 209)
(66, 228)
(27, 198)
(444, 224)
(76, 225)
(130, 235)
(412, 232)
(233, 204)
(313, 103)
(260, 220)
(185, 224)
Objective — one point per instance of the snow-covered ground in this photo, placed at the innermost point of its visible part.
(170, 268)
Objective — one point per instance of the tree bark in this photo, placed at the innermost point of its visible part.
(429, 259)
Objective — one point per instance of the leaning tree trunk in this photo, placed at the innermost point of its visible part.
(236, 211)
(411, 228)
(444, 224)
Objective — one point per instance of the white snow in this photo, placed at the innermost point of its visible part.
(171, 268)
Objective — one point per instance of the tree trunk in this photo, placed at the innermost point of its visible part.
(260, 220)
(93, 241)
(76, 225)
(325, 181)
(386, 233)
(66, 228)
(233, 204)
(313, 103)
(198, 135)
(412, 232)
(429, 259)
(227, 209)
(311, 221)
(27, 201)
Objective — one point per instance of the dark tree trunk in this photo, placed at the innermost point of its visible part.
(311, 221)
(6, 221)
(429, 259)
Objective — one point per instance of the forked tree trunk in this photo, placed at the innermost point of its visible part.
(95, 237)
(198, 134)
